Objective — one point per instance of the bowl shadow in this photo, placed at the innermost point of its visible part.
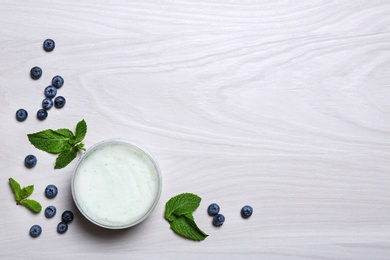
(93, 231)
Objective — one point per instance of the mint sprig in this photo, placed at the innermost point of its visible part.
(61, 141)
(178, 212)
(21, 195)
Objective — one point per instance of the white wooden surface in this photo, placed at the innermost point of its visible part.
(283, 105)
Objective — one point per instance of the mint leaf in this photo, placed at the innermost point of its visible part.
(15, 186)
(31, 205)
(22, 194)
(49, 141)
(67, 133)
(178, 212)
(183, 227)
(61, 141)
(181, 204)
(65, 158)
(81, 131)
(26, 191)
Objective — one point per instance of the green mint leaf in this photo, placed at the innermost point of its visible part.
(65, 158)
(31, 205)
(26, 191)
(15, 186)
(81, 131)
(49, 141)
(61, 141)
(67, 133)
(181, 204)
(21, 194)
(178, 212)
(186, 227)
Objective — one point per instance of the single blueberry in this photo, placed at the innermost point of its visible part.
(246, 211)
(50, 91)
(67, 216)
(51, 191)
(48, 45)
(57, 81)
(36, 72)
(35, 231)
(62, 227)
(41, 114)
(21, 115)
(218, 220)
(59, 102)
(213, 209)
(30, 161)
(47, 103)
(50, 211)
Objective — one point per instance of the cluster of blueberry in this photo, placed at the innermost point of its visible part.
(62, 227)
(219, 219)
(50, 91)
(67, 216)
(30, 161)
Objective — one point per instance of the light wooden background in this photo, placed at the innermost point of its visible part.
(283, 105)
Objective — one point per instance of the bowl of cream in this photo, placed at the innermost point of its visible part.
(116, 184)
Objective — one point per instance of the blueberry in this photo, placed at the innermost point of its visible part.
(51, 191)
(213, 209)
(50, 211)
(35, 231)
(59, 102)
(36, 72)
(30, 161)
(246, 211)
(50, 91)
(218, 220)
(57, 81)
(41, 114)
(21, 115)
(62, 227)
(47, 103)
(48, 45)
(67, 216)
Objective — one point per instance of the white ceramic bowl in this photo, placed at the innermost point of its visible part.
(116, 184)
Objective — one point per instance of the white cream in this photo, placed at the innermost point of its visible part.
(116, 184)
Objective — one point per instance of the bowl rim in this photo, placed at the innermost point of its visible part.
(129, 143)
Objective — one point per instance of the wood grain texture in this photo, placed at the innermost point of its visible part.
(282, 105)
